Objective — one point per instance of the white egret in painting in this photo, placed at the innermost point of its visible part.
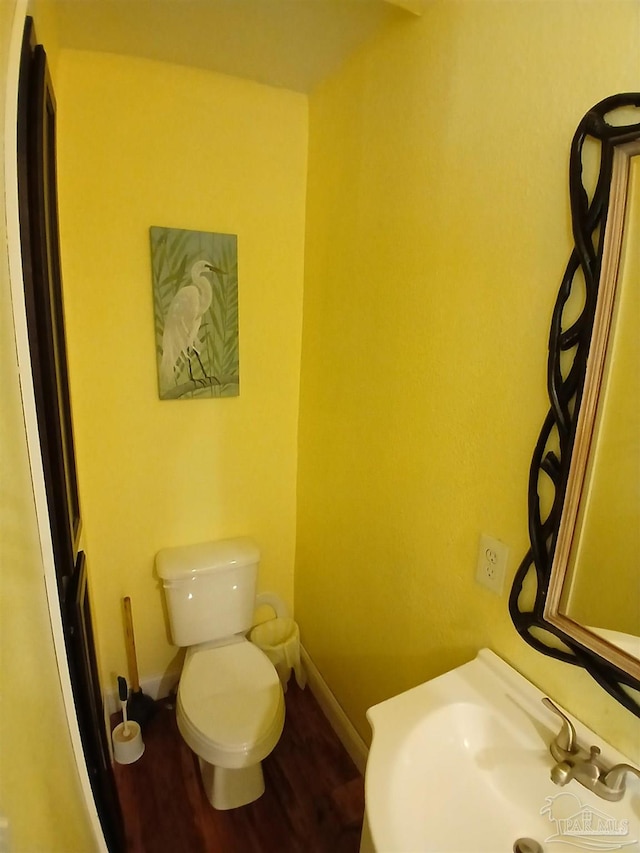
(182, 323)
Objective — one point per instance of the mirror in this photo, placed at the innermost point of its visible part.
(596, 572)
(576, 595)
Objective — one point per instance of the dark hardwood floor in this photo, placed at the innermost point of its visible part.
(313, 802)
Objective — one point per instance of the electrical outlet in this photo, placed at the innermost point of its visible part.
(492, 563)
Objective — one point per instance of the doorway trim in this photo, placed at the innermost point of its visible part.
(29, 412)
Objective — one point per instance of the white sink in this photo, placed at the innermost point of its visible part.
(461, 764)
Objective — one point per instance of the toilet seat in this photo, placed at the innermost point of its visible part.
(230, 707)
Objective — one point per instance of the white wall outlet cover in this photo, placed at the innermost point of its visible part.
(493, 556)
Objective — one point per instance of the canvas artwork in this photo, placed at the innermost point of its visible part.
(195, 300)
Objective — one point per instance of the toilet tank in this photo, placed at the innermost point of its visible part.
(210, 589)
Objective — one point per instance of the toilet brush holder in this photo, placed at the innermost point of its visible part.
(127, 735)
(127, 740)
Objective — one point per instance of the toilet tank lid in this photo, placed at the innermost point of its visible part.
(190, 560)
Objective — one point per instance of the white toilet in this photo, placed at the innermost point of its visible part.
(230, 707)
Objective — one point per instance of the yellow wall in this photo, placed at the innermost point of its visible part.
(45, 19)
(437, 234)
(39, 786)
(140, 144)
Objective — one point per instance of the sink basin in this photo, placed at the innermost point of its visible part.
(461, 764)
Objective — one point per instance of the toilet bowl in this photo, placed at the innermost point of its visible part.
(230, 711)
(230, 707)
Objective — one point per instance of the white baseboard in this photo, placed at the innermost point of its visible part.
(340, 723)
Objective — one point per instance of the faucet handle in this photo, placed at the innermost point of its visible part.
(565, 741)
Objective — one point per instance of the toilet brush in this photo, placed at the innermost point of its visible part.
(123, 693)
(126, 737)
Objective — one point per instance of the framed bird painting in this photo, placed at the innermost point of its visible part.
(195, 302)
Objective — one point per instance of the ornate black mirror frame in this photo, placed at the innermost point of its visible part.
(566, 372)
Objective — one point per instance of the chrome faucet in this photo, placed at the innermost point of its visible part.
(574, 762)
